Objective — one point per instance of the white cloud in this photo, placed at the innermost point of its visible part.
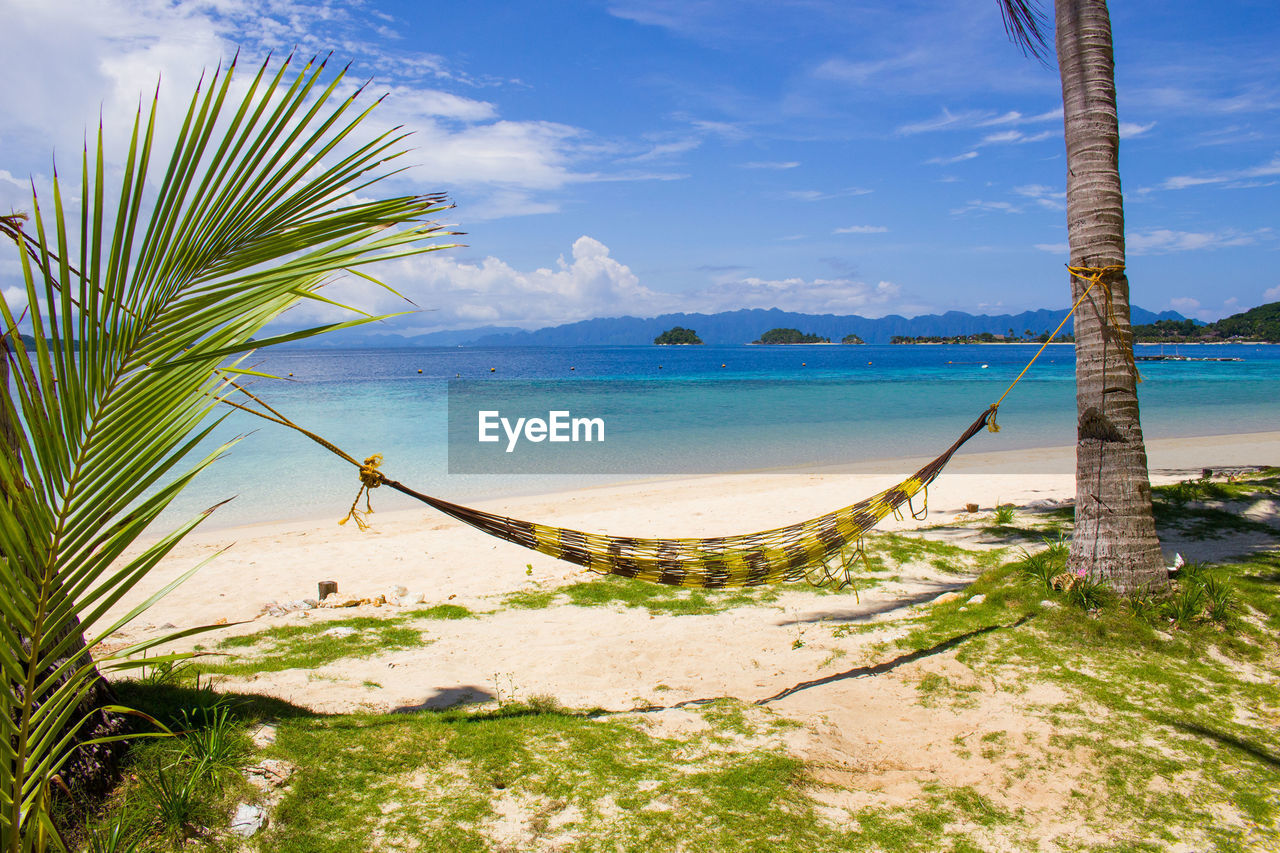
(862, 229)
(1163, 241)
(1015, 137)
(980, 206)
(947, 120)
(861, 73)
(432, 102)
(948, 161)
(789, 164)
(111, 53)
(1232, 179)
(1272, 293)
(460, 294)
(666, 149)
(816, 296)
(823, 195)
(1044, 196)
(1129, 130)
(1054, 248)
(1195, 309)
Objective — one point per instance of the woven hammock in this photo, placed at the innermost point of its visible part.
(822, 551)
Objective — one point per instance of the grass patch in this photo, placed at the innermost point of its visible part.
(442, 611)
(1213, 509)
(889, 551)
(1179, 725)
(315, 644)
(655, 598)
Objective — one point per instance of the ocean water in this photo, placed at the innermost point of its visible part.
(673, 410)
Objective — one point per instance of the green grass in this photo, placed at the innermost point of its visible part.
(1165, 689)
(307, 646)
(442, 611)
(562, 779)
(889, 551)
(1212, 509)
(655, 598)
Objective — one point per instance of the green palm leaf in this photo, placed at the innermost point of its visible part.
(135, 308)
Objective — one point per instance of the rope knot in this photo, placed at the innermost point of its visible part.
(370, 476)
(370, 479)
(1098, 275)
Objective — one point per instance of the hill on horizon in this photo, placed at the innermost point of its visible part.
(734, 327)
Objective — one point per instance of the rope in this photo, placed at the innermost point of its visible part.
(370, 479)
(1094, 276)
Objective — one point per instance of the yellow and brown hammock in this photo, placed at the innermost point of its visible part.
(823, 551)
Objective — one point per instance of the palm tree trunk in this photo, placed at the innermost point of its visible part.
(1115, 536)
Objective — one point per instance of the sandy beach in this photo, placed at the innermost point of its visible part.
(822, 662)
(596, 655)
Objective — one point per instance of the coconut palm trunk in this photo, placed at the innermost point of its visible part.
(1115, 536)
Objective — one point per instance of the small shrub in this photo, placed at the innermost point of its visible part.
(1004, 515)
(116, 837)
(1038, 569)
(179, 803)
(1186, 603)
(1085, 593)
(1042, 567)
(213, 738)
(1220, 600)
(1144, 605)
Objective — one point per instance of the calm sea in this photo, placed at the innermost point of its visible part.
(699, 409)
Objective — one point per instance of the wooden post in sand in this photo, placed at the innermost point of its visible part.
(328, 588)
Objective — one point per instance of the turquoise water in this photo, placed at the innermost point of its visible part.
(678, 410)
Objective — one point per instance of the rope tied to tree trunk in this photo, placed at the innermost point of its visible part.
(1095, 276)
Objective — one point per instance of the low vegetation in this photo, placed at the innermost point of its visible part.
(677, 336)
(790, 336)
(1257, 324)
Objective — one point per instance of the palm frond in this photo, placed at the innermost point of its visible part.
(134, 308)
(1026, 25)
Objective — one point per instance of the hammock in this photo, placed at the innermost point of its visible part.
(822, 551)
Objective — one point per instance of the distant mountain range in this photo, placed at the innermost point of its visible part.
(730, 327)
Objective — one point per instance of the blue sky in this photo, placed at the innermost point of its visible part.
(645, 156)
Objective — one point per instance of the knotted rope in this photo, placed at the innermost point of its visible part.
(1095, 276)
(370, 479)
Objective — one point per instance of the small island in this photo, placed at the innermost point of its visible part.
(790, 336)
(678, 336)
(852, 339)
